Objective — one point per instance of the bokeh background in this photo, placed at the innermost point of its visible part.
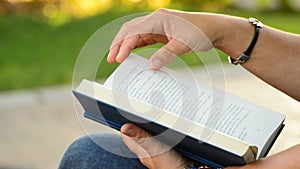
(39, 43)
(40, 39)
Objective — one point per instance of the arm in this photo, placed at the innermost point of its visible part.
(275, 57)
(275, 60)
(284, 159)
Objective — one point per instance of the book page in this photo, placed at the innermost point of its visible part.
(199, 103)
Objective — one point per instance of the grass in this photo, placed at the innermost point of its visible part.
(283, 20)
(34, 54)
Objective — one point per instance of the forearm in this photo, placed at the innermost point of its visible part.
(285, 159)
(275, 57)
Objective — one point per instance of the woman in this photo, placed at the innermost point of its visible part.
(273, 56)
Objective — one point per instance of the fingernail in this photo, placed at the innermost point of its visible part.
(118, 57)
(157, 63)
(109, 60)
(129, 132)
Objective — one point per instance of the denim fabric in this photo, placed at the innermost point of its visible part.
(84, 153)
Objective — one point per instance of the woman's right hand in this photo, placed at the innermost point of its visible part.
(181, 32)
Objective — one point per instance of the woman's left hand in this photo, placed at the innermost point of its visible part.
(151, 152)
(157, 155)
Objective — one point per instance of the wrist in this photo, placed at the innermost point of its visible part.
(209, 23)
(212, 26)
(235, 36)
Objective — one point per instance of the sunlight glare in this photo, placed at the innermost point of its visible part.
(92, 7)
(135, 1)
(50, 10)
(154, 4)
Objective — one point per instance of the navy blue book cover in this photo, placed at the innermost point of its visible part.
(188, 146)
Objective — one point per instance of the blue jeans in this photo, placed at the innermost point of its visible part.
(85, 153)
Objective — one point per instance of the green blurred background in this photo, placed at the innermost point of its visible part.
(39, 44)
(41, 39)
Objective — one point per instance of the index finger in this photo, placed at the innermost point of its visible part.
(119, 38)
(126, 47)
(111, 58)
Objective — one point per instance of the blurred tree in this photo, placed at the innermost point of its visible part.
(286, 5)
(81, 8)
(207, 5)
(59, 11)
(4, 7)
(21, 7)
(269, 5)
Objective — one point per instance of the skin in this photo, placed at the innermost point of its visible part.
(274, 59)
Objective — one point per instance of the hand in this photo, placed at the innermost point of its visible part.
(181, 32)
(151, 152)
(154, 154)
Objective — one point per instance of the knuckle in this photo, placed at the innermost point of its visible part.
(140, 140)
(126, 25)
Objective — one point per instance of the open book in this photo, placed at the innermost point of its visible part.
(203, 123)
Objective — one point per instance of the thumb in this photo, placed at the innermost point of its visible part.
(167, 53)
(141, 142)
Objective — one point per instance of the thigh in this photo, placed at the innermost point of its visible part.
(99, 151)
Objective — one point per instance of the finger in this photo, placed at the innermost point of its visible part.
(126, 47)
(164, 55)
(147, 39)
(111, 58)
(141, 142)
(138, 36)
(121, 50)
(115, 45)
(128, 135)
(121, 35)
